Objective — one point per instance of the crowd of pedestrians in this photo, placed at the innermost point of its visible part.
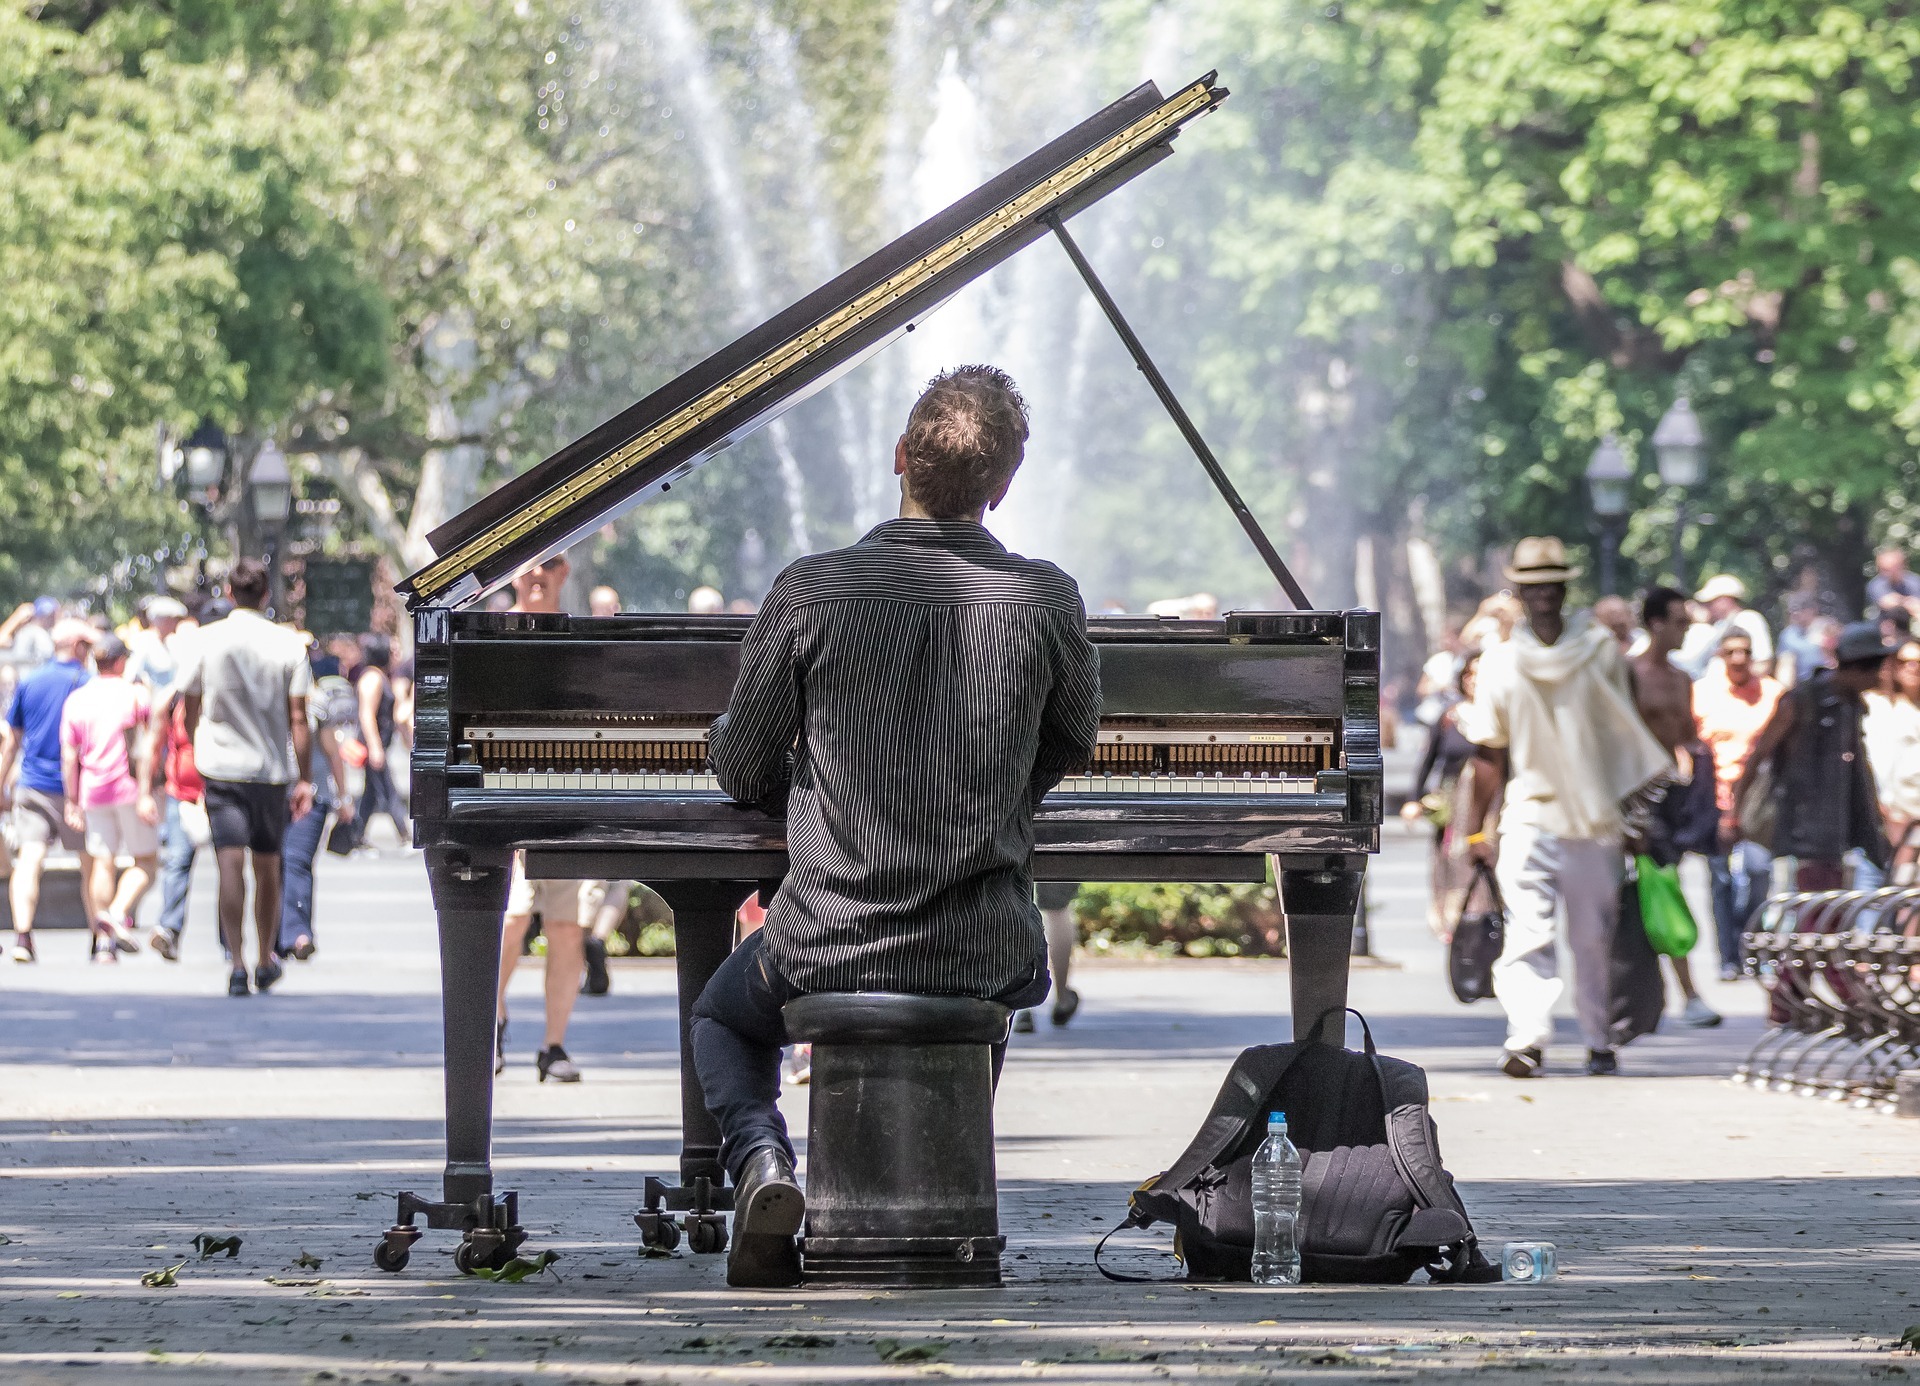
(186, 729)
(1559, 746)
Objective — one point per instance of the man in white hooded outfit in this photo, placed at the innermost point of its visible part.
(1554, 707)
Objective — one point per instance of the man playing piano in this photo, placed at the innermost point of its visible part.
(906, 702)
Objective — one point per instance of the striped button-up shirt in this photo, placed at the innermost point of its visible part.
(910, 700)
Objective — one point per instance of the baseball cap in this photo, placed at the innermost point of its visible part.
(45, 608)
(161, 608)
(1725, 585)
(109, 648)
(72, 630)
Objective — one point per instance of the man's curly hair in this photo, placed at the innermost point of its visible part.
(965, 438)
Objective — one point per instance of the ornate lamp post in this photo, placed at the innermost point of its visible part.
(270, 494)
(1608, 475)
(1680, 448)
(198, 466)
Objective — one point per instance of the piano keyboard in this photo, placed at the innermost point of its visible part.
(1182, 784)
(702, 783)
(643, 780)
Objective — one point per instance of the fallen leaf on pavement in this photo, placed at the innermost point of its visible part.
(209, 1245)
(519, 1268)
(293, 1284)
(1910, 1338)
(306, 1262)
(798, 1340)
(162, 1279)
(893, 1350)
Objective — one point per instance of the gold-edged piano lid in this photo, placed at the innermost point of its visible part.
(446, 572)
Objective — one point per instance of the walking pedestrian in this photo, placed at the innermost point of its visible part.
(1663, 695)
(31, 739)
(1438, 789)
(1824, 800)
(1733, 705)
(152, 659)
(332, 712)
(246, 682)
(377, 729)
(558, 903)
(183, 819)
(1552, 704)
(27, 634)
(1801, 650)
(1725, 599)
(1055, 900)
(1892, 733)
(98, 725)
(1893, 588)
(1617, 616)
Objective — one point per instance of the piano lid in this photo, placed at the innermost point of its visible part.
(798, 352)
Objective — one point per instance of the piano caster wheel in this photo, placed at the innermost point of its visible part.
(658, 1232)
(706, 1233)
(392, 1251)
(483, 1250)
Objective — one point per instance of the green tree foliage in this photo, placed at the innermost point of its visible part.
(1521, 227)
(164, 261)
(1428, 253)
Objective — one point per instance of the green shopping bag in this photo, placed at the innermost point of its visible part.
(1663, 909)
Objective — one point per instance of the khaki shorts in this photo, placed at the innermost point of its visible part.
(556, 902)
(41, 817)
(117, 830)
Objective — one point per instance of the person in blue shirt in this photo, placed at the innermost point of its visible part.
(31, 737)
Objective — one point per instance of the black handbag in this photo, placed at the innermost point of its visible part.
(1478, 938)
(1637, 993)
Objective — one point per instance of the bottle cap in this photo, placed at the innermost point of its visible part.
(1276, 1118)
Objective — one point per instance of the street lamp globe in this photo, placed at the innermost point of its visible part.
(1608, 475)
(206, 457)
(270, 484)
(1680, 446)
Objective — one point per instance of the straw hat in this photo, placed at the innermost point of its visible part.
(1725, 585)
(1539, 559)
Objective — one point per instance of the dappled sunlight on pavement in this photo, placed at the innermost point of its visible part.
(1706, 1232)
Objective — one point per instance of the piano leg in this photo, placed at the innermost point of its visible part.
(703, 915)
(1320, 897)
(470, 896)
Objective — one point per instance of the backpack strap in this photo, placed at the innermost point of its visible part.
(1251, 1080)
(1134, 1218)
(1415, 1146)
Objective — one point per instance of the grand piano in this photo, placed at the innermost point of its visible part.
(581, 741)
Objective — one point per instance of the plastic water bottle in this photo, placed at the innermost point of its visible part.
(1276, 1207)
(1529, 1263)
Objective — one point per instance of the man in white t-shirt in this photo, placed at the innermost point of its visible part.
(245, 681)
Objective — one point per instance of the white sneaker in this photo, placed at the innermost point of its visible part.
(796, 1064)
(1699, 1015)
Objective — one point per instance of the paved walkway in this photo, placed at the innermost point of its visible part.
(1708, 1233)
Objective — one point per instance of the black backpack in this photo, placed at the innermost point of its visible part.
(1378, 1205)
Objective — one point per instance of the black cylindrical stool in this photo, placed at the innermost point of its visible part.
(900, 1176)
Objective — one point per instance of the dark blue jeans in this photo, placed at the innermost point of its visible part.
(737, 1034)
(297, 851)
(176, 870)
(1741, 881)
